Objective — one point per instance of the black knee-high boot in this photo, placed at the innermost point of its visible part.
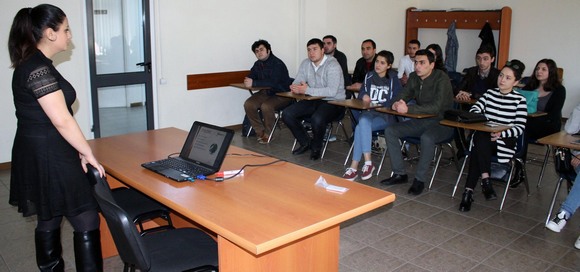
(87, 246)
(48, 250)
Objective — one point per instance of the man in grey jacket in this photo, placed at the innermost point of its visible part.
(319, 75)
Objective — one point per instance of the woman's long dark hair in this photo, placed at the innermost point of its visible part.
(438, 57)
(552, 82)
(27, 28)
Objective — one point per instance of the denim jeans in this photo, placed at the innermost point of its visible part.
(430, 133)
(368, 122)
(572, 201)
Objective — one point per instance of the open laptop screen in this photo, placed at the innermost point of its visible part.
(207, 145)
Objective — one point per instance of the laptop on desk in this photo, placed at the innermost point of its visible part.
(202, 153)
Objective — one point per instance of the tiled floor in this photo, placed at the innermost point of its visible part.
(415, 233)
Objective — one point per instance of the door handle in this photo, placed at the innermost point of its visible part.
(145, 64)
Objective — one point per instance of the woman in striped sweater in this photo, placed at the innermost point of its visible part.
(504, 106)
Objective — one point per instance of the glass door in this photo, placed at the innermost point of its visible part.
(120, 65)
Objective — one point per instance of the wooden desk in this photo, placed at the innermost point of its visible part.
(474, 126)
(471, 101)
(270, 219)
(561, 139)
(537, 114)
(356, 104)
(299, 96)
(250, 89)
(410, 115)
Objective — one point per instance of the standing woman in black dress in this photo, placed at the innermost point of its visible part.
(50, 153)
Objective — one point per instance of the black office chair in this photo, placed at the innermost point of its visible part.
(141, 208)
(169, 250)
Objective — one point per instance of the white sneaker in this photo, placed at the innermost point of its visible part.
(577, 244)
(558, 223)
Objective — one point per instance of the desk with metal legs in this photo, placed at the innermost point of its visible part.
(272, 218)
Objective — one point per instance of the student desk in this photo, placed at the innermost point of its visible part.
(355, 104)
(410, 115)
(299, 96)
(273, 218)
(250, 89)
(558, 139)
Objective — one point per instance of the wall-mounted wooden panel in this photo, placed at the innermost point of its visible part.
(214, 80)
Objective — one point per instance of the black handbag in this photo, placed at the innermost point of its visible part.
(563, 161)
(464, 116)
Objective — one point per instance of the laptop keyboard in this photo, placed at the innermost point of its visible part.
(181, 166)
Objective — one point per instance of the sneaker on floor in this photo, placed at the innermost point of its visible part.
(350, 174)
(577, 244)
(558, 223)
(367, 171)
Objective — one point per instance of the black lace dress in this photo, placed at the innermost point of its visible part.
(46, 174)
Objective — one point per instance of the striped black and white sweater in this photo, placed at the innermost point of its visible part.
(506, 109)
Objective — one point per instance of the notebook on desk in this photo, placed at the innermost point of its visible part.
(202, 153)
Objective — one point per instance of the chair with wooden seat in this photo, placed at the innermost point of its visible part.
(166, 250)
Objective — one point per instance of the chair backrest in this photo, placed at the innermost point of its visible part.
(127, 239)
(521, 146)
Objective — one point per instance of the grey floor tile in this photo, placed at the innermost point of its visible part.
(453, 221)
(493, 234)
(429, 233)
(417, 209)
(408, 267)
(402, 246)
(512, 221)
(441, 260)
(393, 220)
(484, 268)
(366, 231)
(369, 259)
(508, 260)
(470, 247)
(571, 260)
(539, 248)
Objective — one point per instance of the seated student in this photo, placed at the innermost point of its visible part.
(268, 71)
(318, 75)
(572, 201)
(477, 80)
(330, 49)
(431, 90)
(379, 86)
(480, 78)
(407, 62)
(436, 50)
(504, 106)
(365, 64)
(551, 97)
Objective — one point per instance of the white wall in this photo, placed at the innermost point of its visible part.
(213, 36)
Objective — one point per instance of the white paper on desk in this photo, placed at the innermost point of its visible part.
(321, 182)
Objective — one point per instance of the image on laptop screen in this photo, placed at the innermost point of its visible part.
(207, 145)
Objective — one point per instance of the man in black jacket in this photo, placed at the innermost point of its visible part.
(268, 71)
(330, 49)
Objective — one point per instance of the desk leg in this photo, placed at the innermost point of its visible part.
(317, 252)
